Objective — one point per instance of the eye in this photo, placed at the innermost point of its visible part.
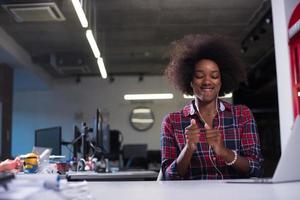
(215, 75)
(199, 75)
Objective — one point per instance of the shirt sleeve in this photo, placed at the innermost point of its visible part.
(169, 151)
(250, 142)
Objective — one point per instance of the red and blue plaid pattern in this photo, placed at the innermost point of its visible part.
(239, 132)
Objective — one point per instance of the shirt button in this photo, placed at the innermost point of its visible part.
(214, 158)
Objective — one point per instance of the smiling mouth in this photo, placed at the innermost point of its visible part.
(207, 89)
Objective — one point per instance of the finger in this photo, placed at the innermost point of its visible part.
(212, 131)
(206, 126)
(192, 125)
(212, 135)
(193, 122)
(192, 131)
(192, 128)
(209, 131)
(195, 135)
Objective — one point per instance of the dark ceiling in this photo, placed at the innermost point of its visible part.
(133, 35)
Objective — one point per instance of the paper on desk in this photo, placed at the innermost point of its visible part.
(24, 186)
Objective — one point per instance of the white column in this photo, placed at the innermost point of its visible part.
(282, 10)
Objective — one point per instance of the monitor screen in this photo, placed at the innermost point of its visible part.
(76, 141)
(102, 133)
(49, 137)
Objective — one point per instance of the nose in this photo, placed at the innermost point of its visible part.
(207, 80)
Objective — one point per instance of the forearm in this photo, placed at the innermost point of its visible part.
(183, 160)
(4, 166)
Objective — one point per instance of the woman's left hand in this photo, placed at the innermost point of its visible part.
(214, 139)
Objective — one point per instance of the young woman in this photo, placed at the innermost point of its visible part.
(208, 138)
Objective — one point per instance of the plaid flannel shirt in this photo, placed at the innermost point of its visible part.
(238, 129)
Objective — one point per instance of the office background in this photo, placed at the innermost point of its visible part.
(67, 103)
(41, 101)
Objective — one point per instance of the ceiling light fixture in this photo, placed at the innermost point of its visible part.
(102, 68)
(92, 42)
(80, 13)
(268, 20)
(244, 49)
(226, 96)
(148, 96)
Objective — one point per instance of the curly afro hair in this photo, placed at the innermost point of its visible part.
(185, 53)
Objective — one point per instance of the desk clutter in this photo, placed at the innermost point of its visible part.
(43, 186)
(46, 176)
(96, 154)
(51, 177)
(135, 157)
(93, 147)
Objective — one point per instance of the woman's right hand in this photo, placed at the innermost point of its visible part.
(192, 135)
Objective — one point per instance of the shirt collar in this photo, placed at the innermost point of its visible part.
(189, 109)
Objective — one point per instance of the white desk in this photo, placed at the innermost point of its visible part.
(153, 190)
(188, 190)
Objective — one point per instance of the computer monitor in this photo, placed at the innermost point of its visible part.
(101, 132)
(76, 141)
(81, 141)
(49, 137)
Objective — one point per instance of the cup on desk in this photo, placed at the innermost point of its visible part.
(62, 167)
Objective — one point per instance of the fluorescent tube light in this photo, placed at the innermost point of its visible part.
(92, 42)
(188, 96)
(148, 96)
(80, 13)
(229, 95)
(101, 68)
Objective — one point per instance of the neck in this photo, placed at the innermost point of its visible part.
(206, 107)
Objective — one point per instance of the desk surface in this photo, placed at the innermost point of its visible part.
(179, 190)
(116, 176)
(149, 190)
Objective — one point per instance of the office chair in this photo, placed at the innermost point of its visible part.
(135, 156)
(116, 139)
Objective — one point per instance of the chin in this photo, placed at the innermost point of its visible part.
(207, 99)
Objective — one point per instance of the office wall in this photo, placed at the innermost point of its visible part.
(67, 103)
